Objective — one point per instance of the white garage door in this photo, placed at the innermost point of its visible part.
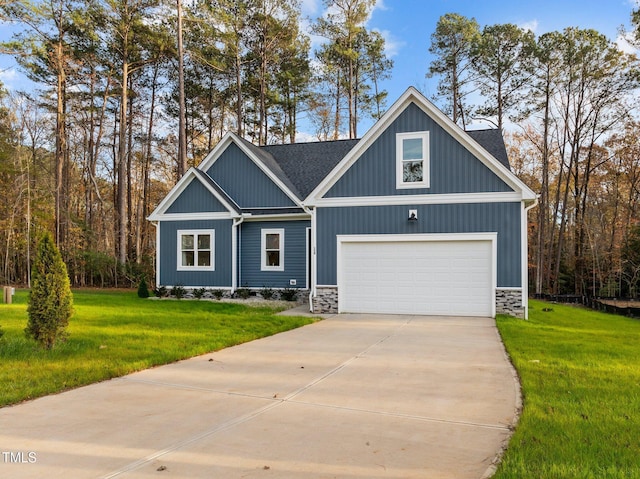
(452, 278)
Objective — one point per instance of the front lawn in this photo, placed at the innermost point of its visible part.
(580, 376)
(113, 333)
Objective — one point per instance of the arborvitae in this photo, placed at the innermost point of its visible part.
(143, 290)
(50, 299)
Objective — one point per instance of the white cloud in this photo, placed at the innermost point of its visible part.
(7, 77)
(531, 25)
(310, 7)
(392, 45)
(624, 45)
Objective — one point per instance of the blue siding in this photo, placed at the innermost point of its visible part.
(452, 168)
(169, 252)
(503, 218)
(196, 198)
(295, 255)
(247, 184)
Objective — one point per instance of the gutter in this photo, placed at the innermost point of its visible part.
(235, 252)
(313, 266)
(525, 271)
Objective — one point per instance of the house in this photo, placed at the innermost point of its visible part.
(416, 217)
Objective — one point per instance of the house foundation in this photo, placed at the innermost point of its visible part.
(509, 301)
(325, 301)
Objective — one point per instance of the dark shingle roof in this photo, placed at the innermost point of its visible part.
(302, 166)
(492, 141)
(307, 164)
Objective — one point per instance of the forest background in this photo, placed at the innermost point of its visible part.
(131, 93)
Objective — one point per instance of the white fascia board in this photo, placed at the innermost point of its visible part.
(159, 213)
(277, 217)
(194, 216)
(230, 137)
(414, 96)
(436, 199)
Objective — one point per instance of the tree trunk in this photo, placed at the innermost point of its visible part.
(182, 127)
(122, 164)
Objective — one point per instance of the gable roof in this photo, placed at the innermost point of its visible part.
(464, 138)
(306, 171)
(197, 175)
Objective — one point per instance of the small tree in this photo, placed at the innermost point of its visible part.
(143, 290)
(50, 298)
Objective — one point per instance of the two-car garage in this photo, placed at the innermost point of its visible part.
(430, 274)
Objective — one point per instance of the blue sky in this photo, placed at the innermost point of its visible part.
(407, 26)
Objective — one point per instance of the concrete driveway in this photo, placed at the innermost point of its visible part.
(353, 396)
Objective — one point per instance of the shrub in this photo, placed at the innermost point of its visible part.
(160, 291)
(143, 290)
(199, 293)
(243, 293)
(266, 293)
(218, 294)
(289, 294)
(50, 299)
(178, 291)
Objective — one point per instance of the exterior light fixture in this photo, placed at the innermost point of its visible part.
(413, 215)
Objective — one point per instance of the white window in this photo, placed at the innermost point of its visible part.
(412, 160)
(272, 245)
(196, 250)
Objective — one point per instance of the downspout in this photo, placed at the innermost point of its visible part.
(234, 252)
(156, 225)
(525, 265)
(313, 265)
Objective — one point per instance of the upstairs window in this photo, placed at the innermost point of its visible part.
(272, 250)
(412, 160)
(196, 250)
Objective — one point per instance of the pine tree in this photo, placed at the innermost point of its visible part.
(50, 300)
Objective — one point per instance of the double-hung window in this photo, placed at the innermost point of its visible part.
(412, 160)
(196, 250)
(272, 247)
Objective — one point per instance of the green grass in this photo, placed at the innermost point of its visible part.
(113, 333)
(580, 376)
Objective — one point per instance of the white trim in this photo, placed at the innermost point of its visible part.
(231, 137)
(414, 96)
(193, 216)
(235, 232)
(508, 288)
(307, 258)
(157, 251)
(422, 237)
(400, 137)
(177, 190)
(277, 217)
(314, 258)
(212, 249)
(435, 199)
(524, 254)
(263, 249)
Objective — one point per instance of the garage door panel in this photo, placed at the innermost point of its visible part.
(417, 277)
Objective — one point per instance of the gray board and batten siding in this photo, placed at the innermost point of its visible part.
(295, 255)
(168, 260)
(503, 218)
(453, 169)
(245, 182)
